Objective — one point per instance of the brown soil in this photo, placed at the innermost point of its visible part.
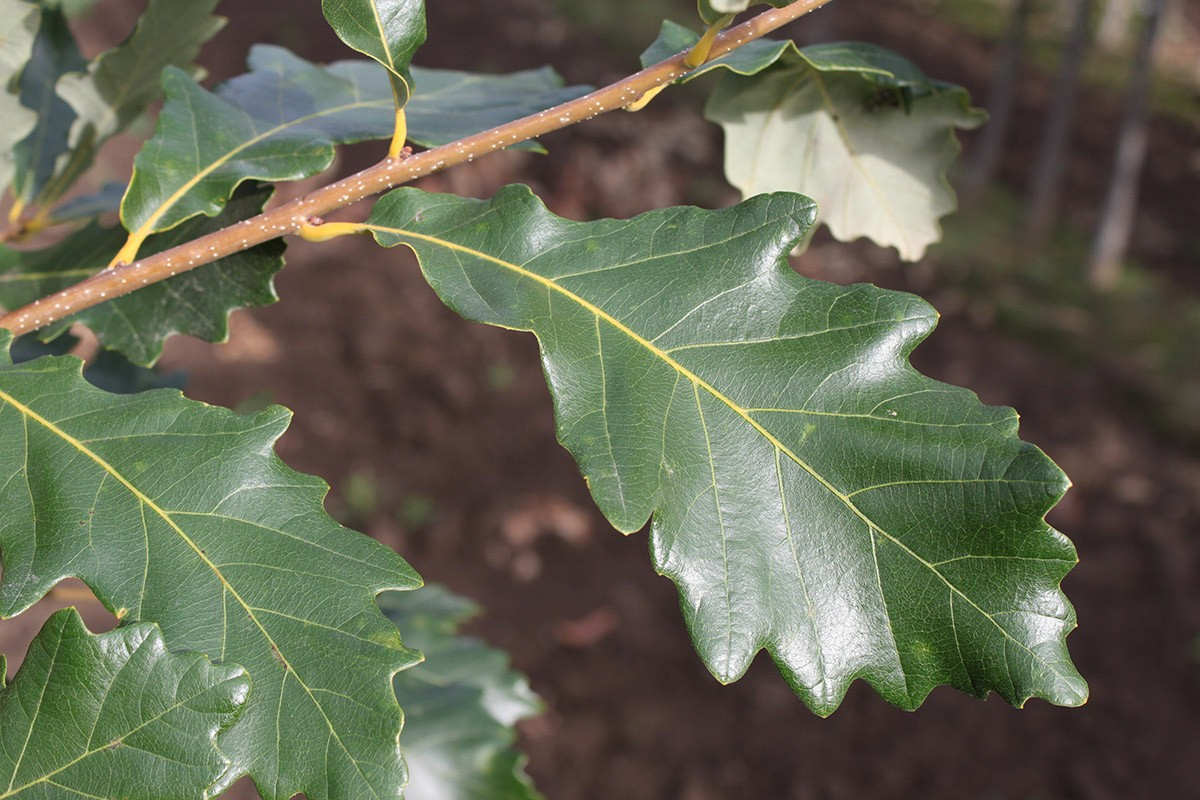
(388, 383)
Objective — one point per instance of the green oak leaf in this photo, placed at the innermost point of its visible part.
(120, 84)
(113, 716)
(451, 104)
(196, 303)
(180, 513)
(810, 492)
(854, 126)
(389, 31)
(460, 704)
(55, 54)
(18, 30)
(283, 119)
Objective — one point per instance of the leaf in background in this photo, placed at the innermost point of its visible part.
(389, 31)
(811, 493)
(196, 303)
(460, 704)
(18, 29)
(55, 54)
(712, 10)
(451, 105)
(108, 370)
(282, 120)
(105, 200)
(121, 84)
(180, 513)
(113, 715)
(854, 126)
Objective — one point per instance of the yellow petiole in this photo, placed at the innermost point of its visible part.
(315, 229)
(699, 52)
(400, 136)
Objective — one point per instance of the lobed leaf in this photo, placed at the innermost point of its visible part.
(18, 30)
(283, 119)
(389, 31)
(180, 513)
(854, 126)
(112, 716)
(196, 303)
(810, 493)
(460, 704)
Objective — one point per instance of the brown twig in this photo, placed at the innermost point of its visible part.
(288, 219)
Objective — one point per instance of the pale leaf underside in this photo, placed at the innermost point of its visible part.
(854, 126)
(460, 704)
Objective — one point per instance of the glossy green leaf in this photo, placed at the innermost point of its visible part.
(55, 54)
(18, 29)
(811, 493)
(196, 303)
(119, 85)
(180, 513)
(113, 716)
(389, 31)
(283, 119)
(460, 704)
(854, 126)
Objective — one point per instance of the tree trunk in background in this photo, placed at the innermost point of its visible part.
(1041, 210)
(1002, 96)
(1116, 223)
(1113, 30)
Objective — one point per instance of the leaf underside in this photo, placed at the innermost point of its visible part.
(460, 705)
(854, 126)
(119, 85)
(18, 30)
(179, 513)
(112, 716)
(712, 10)
(811, 493)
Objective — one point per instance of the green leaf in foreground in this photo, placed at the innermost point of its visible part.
(460, 704)
(196, 303)
(811, 493)
(180, 513)
(112, 716)
(283, 120)
(854, 126)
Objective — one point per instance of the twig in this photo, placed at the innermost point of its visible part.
(288, 219)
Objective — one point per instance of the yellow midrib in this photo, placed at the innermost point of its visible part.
(29, 413)
(387, 50)
(697, 381)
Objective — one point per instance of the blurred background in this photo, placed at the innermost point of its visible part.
(437, 435)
